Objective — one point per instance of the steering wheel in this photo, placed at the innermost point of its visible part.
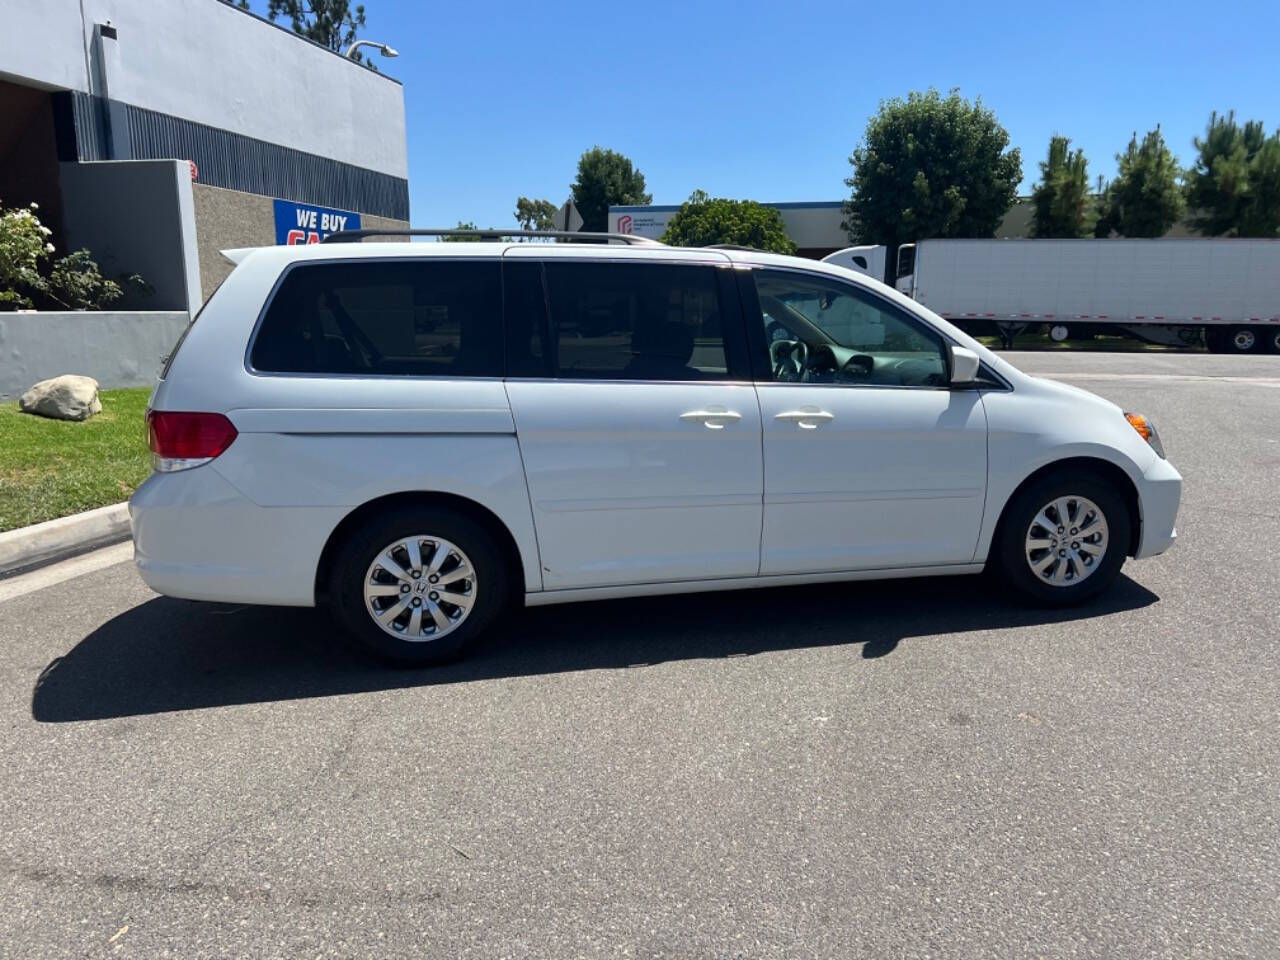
(790, 359)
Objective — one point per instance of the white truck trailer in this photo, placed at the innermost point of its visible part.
(1224, 293)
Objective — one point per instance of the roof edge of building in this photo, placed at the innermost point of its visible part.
(781, 205)
(318, 46)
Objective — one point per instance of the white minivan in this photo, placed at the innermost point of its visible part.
(420, 436)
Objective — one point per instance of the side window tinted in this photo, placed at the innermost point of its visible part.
(634, 321)
(822, 331)
(421, 318)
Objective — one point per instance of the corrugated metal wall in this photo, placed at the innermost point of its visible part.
(231, 160)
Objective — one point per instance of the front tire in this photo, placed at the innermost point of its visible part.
(418, 585)
(1063, 538)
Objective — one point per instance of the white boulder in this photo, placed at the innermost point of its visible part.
(63, 398)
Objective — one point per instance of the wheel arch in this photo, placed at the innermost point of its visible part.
(478, 512)
(1105, 469)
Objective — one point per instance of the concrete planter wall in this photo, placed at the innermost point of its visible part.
(118, 349)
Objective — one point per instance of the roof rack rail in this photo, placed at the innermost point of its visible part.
(349, 236)
(733, 246)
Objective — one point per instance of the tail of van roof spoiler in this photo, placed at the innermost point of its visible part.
(237, 254)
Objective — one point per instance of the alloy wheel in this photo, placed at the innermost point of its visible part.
(1066, 541)
(420, 588)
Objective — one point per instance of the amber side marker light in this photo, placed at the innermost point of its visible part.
(1146, 430)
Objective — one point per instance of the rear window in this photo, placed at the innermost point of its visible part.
(417, 318)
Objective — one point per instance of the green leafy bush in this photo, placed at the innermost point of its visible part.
(704, 220)
(77, 282)
(24, 245)
(74, 281)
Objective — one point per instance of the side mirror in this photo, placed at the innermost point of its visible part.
(964, 365)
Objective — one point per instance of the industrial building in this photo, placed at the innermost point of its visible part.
(156, 134)
(816, 227)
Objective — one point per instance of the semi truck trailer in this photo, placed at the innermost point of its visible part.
(1222, 293)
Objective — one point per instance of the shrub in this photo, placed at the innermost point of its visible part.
(24, 244)
(704, 220)
(74, 281)
(77, 283)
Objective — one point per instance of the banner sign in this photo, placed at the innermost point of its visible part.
(306, 223)
(649, 223)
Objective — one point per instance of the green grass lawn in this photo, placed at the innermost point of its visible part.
(52, 468)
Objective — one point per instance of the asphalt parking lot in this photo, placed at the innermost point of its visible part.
(906, 769)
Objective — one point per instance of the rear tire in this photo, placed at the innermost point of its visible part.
(1063, 538)
(1273, 340)
(409, 619)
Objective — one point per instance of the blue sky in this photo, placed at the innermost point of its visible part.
(766, 100)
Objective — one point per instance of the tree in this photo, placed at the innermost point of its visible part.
(1234, 187)
(1063, 206)
(330, 23)
(1105, 209)
(930, 166)
(466, 237)
(605, 179)
(535, 214)
(1145, 199)
(703, 220)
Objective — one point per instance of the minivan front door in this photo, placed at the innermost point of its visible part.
(636, 420)
(870, 460)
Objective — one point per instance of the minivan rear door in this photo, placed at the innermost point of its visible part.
(636, 419)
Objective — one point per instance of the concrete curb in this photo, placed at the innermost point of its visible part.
(54, 540)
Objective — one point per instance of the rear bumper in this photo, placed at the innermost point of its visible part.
(195, 536)
(1159, 495)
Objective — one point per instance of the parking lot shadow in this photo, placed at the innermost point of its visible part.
(178, 655)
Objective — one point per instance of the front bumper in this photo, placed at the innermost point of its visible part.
(1159, 494)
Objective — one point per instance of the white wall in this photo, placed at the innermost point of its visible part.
(815, 226)
(41, 43)
(116, 349)
(205, 61)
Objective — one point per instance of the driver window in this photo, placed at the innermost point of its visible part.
(823, 331)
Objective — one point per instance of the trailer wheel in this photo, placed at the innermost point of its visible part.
(1059, 332)
(1243, 340)
(1273, 341)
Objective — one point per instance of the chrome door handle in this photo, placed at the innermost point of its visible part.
(806, 419)
(712, 419)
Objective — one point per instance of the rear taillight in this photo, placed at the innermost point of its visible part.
(180, 441)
